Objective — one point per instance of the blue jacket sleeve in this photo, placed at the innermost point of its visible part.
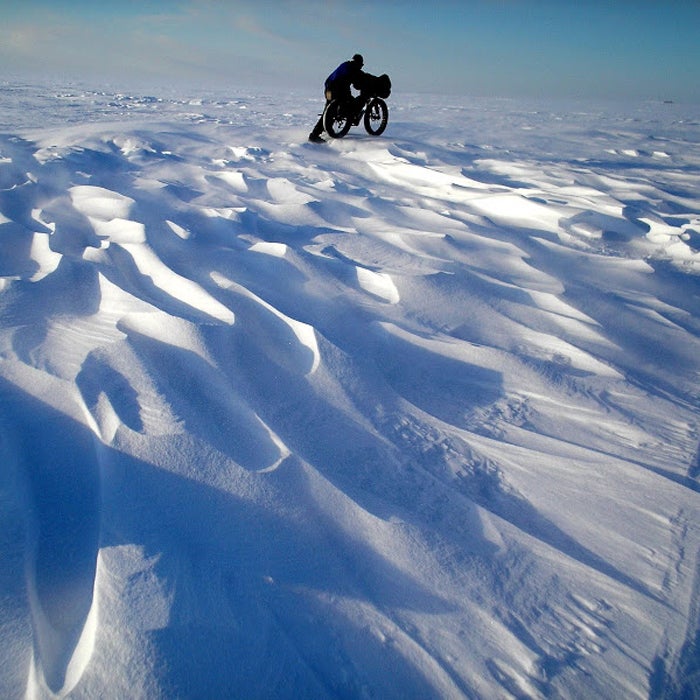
(343, 73)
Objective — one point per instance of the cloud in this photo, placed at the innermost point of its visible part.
(251, 25)
(489, 46)
(41, 46)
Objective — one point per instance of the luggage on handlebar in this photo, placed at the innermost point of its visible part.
(377, 86)
(383, 86)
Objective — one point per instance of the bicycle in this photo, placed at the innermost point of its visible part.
(339, 116)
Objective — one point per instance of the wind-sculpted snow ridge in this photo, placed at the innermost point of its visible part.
(413, 416)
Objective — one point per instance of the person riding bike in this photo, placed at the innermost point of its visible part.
(337, 87)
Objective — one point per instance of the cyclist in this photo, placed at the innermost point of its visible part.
(337, 87)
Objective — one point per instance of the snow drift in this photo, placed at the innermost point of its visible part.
(414, 416)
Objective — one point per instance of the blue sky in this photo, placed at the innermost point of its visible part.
(539, 48)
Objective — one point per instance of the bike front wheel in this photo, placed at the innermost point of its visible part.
(376, 116)
(336, 122)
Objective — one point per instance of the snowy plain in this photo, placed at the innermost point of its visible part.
(413, 416)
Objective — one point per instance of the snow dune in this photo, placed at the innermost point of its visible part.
(414, 416)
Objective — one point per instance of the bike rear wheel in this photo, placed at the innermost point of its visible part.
(376, 116)
(335, 120)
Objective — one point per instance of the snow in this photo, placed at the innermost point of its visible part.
(407, 416)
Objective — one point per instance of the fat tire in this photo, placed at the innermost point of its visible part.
(335, 121)
(376, 116)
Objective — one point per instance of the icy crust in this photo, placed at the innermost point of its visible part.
(413, 416)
